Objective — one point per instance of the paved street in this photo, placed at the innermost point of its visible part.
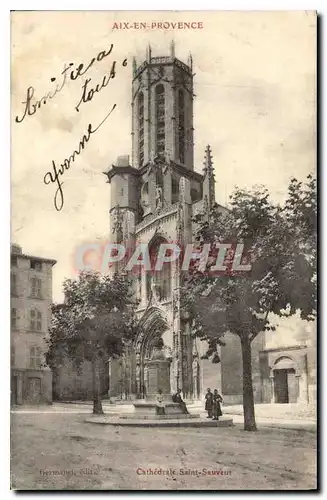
(282, 416)
(58, 450)
(295, 411)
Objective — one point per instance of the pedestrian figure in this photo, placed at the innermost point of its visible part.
(209, 403)
(160, 405)
(217, 399)
(177, 398)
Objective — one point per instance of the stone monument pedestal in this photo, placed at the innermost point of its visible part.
(158, 378)
(148, 409)
(158, 369)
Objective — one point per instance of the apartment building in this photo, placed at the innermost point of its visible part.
(31, 297)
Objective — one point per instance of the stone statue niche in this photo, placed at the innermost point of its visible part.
(145, 200)
(159, 189)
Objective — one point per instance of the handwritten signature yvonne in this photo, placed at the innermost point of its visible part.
(54, 176)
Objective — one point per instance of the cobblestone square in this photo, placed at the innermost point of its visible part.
(60, 451)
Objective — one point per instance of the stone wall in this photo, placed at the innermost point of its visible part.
(232, 371)
(72, 384)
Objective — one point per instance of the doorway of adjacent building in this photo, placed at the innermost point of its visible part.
(285, 386)
(281, 386)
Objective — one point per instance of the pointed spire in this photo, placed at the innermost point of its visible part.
(208, 164)
(209, 178)
(148, 53)
(172, 49)
(190, 60)
(134, 66)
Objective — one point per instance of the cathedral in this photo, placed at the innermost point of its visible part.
(154, 196)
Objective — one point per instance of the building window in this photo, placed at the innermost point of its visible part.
(13, 283)
(13, 317)
(174, 190)
(181, 126)
(141, 127)
(148, 285)
(36, 288)
(35, 320)
(35, 357)
(36, 264)
(160, 119)
(14, 260)
(12, 355)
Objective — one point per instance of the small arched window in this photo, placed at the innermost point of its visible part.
(160, 119)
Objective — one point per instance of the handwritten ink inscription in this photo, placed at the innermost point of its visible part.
(88, 93)
(88, 90)
(53, 177)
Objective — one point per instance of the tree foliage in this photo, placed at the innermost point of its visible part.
(280, 245)
(95, 322)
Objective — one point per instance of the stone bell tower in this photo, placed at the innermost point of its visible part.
(162, 128)
(153, 197)
(162, 110)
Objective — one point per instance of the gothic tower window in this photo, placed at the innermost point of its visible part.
(141, 127)
(174, 189)
(160, 119)
(158, 282)
(181, 126)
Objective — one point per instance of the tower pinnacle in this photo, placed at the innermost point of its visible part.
(208, 164)
(172, 49)
(209, 177)
(148, 53)
(190, 60)
(134, 66)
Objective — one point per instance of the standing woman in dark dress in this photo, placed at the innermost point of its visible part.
(209, 403)
(217, 399)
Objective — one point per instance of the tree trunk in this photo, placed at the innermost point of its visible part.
(248, 400)
(97, 405)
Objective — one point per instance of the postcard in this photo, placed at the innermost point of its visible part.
(163, 250)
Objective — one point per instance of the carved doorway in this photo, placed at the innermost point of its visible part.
(153, 327)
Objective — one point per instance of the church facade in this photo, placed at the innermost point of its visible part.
(154, 195)
(153, 199)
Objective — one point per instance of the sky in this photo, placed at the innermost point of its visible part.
(255, 105)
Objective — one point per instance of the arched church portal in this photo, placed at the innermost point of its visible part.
(154, 326)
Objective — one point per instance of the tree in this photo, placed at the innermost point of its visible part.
(95, 322)
(280, 245)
